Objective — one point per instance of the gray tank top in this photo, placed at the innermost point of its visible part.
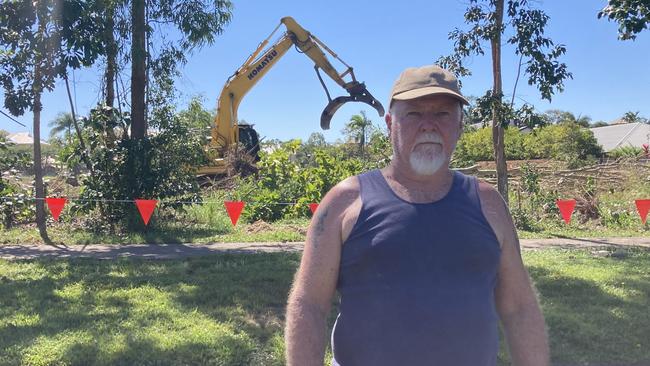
(417, 281)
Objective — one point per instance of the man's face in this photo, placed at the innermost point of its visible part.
(424, 132)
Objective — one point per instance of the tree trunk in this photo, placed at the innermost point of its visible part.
(138, 66)
(111, 70)
(111, 57)
(85, 154)
(497, 91)
(38, 170)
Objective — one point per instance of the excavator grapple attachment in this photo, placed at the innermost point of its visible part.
(363, 96)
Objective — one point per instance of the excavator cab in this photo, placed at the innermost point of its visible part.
(249, 139)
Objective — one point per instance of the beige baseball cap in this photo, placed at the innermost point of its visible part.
(416, 82)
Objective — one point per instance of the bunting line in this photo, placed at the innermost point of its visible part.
(133, 201)
(56, 204)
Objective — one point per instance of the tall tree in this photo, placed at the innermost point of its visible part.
(486, 21)
(39, 41)
(632, 16)
(198, 22)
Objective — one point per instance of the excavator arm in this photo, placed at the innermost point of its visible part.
(226, 132)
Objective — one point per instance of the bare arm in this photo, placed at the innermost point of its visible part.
(315, 282)
(516, 301)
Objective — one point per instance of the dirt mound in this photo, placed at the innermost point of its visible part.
(258, 227)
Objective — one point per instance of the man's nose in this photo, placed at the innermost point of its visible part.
(429, 122)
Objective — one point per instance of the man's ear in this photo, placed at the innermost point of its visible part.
(389, 122)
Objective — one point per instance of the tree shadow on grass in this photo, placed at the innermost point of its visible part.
(168, 234)
(588, 323)
(242, 296)
(590, 326)
(141, 351)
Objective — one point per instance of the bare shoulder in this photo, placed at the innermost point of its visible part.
(344, 202)
(341, 195)
(495, 211)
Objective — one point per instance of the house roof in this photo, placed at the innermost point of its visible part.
(628, 134)
(23, 138)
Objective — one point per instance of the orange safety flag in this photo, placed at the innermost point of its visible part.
(313, 207)
(56, 206)
(234, 209)
(566, 208)
(643, 206)
(146, 208)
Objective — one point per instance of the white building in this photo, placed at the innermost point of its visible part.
(23, 138)
(619, 135)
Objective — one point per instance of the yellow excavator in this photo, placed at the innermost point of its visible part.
(227, 132)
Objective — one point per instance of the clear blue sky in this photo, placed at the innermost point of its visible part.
(379, 39)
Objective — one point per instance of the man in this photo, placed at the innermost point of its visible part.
(426, 260)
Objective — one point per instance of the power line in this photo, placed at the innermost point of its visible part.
(11, 118)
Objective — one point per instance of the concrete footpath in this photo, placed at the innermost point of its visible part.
(173, 251)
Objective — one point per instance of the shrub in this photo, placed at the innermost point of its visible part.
(210, 213)
(474, 146)
(284, 180)
(626, 152)
(161, 166)
(15, 206)
(567, 142)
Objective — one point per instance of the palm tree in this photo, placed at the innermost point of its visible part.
(631, 117)
(63, 122)
(583, 121)
(358, 128)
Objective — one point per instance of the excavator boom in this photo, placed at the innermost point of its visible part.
(226, 131)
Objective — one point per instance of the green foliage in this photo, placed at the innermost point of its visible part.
(46, 35)
(481, 109)
(62, 123)
(556, 116)
(380, 149)
(283, 179)
(14, 204)
(210, 213)
(528, 25)
(626, 152)
(473, 146)
(566, 142)
(158, 167)
(11, 158)
(358, 129)
(618, 215)
(536, 203)
(632, 16)
(634, 117)
(477, 146)
(195, 116)
(528, 117)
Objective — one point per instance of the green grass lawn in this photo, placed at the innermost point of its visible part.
(557, 228)
(229, 309)
(281, 231)
(174, 232)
